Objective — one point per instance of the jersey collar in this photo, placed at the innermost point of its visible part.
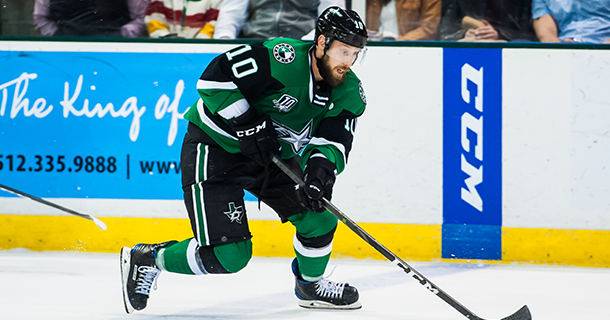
(319, 93)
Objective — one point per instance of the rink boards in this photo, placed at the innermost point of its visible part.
(469, 153)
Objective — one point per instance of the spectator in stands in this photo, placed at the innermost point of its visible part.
(111, 18)
(270, 18)
(403, 19)
(182, 18)
(487, 20)
(572, 21)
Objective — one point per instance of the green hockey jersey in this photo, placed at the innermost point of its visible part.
(276, 78)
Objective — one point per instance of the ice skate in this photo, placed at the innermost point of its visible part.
(324, 293)
(138, 273)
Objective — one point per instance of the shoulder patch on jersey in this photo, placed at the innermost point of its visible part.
(284, 53)
(285, 102)
(361, 90)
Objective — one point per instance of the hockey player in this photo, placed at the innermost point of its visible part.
(285, 97)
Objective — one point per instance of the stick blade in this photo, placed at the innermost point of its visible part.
(521, 314)
(99, 223)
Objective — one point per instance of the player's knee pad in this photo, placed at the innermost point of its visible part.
(313, 225)
(226, 258)
(233, 257)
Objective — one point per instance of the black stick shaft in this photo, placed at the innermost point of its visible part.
(54, 205)
(522, 314)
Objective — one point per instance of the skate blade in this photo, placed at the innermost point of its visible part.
(125, 262)
(316, 304)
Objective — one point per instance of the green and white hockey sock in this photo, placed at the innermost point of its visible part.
(180, 258)
(312, 261)
(313, 242)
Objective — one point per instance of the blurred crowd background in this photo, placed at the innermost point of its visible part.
(568, 21)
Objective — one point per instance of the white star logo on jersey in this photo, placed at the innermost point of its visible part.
(298, 140)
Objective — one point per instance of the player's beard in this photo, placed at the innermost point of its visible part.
(326, 71)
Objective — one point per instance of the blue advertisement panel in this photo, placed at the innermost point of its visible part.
(472, 153)
(95, 124)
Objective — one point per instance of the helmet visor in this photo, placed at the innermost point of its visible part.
(350, 55)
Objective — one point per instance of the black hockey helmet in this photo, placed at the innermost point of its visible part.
(346, 26)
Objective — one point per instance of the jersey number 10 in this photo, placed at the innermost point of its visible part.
(244, 67)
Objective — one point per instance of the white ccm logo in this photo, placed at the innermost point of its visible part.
(469, 122)
(252, 131)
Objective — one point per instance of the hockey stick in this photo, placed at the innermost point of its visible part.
(521, 314)
(97, 221)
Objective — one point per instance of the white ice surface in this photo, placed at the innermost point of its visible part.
(50, 285)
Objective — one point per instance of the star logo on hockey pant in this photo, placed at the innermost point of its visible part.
(235, 213)
(297, 140)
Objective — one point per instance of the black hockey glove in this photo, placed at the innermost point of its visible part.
(319, 181)
(257, 137)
